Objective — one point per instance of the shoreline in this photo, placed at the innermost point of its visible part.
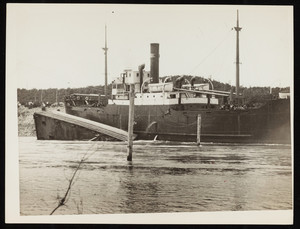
(26, 126)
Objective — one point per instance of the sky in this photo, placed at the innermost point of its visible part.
(60, 45)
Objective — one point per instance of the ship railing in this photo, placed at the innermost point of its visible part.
(207, 92)
(85, 95)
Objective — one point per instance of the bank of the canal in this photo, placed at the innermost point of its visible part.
(26, 125)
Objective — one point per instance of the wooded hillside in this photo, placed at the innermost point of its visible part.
(252, 94)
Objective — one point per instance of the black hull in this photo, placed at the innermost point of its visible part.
(267, 124)
(61, 126)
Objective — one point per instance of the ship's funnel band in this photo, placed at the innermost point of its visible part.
(154, 56)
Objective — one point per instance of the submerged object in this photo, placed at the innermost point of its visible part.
(61, 126)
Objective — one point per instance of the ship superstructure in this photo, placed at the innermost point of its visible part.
(160, 93)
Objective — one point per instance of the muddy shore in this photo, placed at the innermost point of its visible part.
(26, 125)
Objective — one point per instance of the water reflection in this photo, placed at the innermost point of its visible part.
(140, 193)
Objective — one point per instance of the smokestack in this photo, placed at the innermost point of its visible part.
(154, 67)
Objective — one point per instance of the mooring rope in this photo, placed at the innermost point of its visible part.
(66, 197)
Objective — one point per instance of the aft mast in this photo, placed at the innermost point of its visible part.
(105, 54)
(237, 29)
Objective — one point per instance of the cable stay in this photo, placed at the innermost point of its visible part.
(213, 50)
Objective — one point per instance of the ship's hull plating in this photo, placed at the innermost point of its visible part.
(268, 124)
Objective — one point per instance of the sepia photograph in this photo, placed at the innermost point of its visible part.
(178, 113)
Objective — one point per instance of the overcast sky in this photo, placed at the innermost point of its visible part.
(60, 45)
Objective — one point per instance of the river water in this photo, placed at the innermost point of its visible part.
(163, 177)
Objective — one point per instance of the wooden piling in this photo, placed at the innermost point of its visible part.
(239, 124)
(56, 101)
(198, 129)
(130, 123)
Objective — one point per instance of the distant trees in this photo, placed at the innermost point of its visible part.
(51, 95)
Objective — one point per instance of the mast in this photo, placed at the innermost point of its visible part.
(105, 54)
(56, 96)
(237, 29)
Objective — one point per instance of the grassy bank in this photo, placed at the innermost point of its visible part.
(26, 125)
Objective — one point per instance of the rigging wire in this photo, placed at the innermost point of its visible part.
(223, 60)
(67, 195)
(214, 49)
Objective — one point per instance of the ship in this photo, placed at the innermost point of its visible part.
(168, 110)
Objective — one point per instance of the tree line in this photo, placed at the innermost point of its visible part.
(53, 95)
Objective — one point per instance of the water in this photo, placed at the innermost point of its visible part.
(163, 177)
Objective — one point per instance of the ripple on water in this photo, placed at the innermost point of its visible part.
(163, 177)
